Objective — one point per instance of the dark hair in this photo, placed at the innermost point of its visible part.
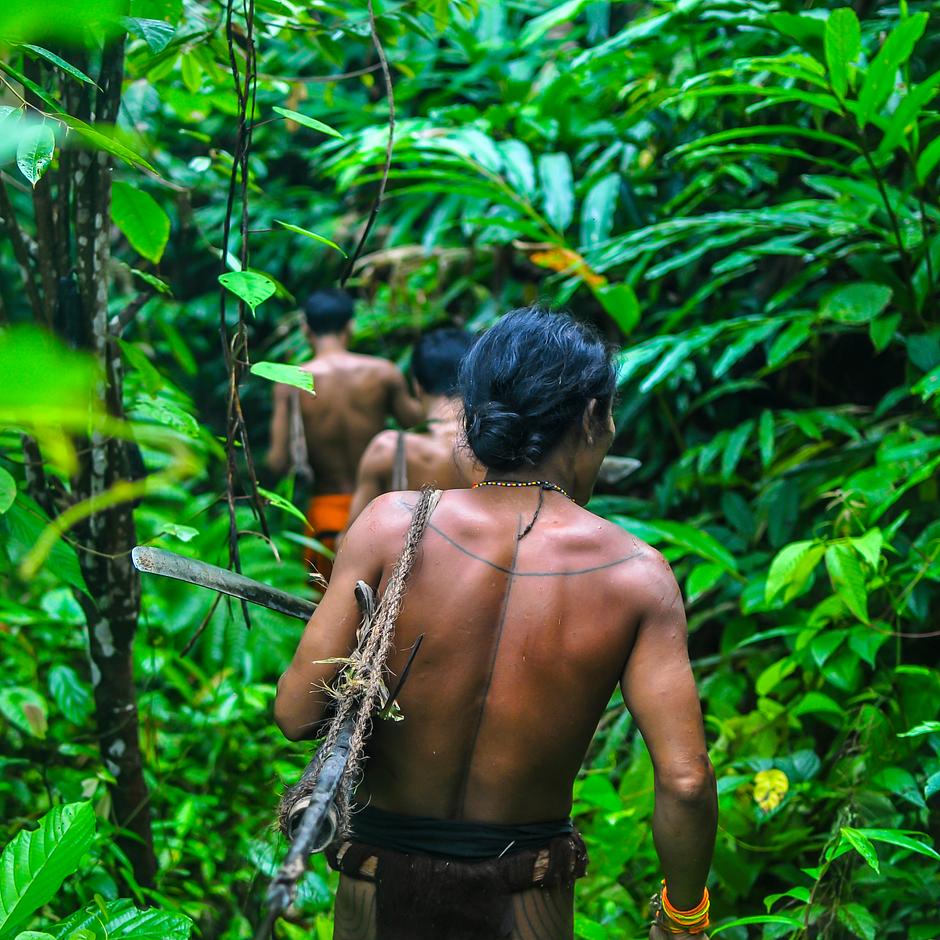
(526, 381)
(436, 359)
(328, 311)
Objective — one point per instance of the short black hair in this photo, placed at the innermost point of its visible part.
(328, 311)
(436, 359)
(527, 380)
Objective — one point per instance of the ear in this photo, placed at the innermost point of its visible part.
(589, 420)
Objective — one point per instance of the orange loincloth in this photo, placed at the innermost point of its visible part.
(327, 516)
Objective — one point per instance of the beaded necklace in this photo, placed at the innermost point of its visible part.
(542, 484)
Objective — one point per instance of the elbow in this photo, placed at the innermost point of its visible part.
(692, 784)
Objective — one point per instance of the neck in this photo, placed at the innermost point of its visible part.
(443, 412)
(328, 344)
(554, 469)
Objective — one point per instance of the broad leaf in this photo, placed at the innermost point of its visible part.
(856, 303)
(156, 33)
(537, 27)
(880, 78)
(34, 151)
(690, 538)
(288, 375)
(25, 708)
(70, 693)
(120, 920)
(862, 844)
(308, 234)
(36, 862)
(557, 189)
(927, 161)
(138, 215)
(848, 579)
(791, 569)
(101, 137)
(250, 286)
(620, 302)
(310, 122)
(843, 42)
(597, 210)
(185, 533)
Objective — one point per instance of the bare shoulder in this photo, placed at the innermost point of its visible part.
(648, 575)
(387, 517)
(380, 454)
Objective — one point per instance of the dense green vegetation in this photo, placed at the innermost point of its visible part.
(741, 194)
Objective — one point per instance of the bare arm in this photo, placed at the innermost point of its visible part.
(279, 450)
(374, 474)
(660, 692)
(405, 409)
(301, 701)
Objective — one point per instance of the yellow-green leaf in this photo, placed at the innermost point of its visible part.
(138, 215)
(310, 122)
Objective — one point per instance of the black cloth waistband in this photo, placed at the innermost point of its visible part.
(450, 838)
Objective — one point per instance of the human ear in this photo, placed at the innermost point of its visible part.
(589, 421)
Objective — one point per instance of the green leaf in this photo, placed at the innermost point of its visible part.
(149, 375)
(61, 63)
(901, 839)
(249, 286)
(519, 169)
(905, 116)
(734, 450)
(862, 844)
(774, 674)
(288, 375)
(35, 863)
(758, 919)
(34, 151)
(536, 28)
(855, 303)
(869, 546)
(597, 210)
(101, 137)
(703, 578)
(880, 77)
(791, 569)
(925, 727)
(120, 920)
(815, 703)
(557, 188)
(156, 33)
(25, 708)
(138, 215)
(277, 500)
(185, 533)
(929, 385)
(843, 42)
(928, 160)
(310, 122)
(72, 696)
(621, 304)
(765, 437)
(882, 330)
(848, 579)
(858, 920)
(157, 283)
(308, 234)
(7, 491)
(797, 333)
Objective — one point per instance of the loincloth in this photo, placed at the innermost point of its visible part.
(327, 516)
(447, 878)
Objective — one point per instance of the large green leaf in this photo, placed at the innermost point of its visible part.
(120, 920)
(906, 113)
(73, 697)
(25, 708)
(156, 33)
(856, 303)
(691, 539)
(286, 374)
(843, 42)
(60, 62)
(250, 286)
(848, 578)
(880, 77)
(536, 28)
(597, 210)
(34, 151)
(792, 568)
(138, 215)
(557, 188)
(620, 302)
(36, 862)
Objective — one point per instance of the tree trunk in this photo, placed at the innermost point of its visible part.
(109, 535)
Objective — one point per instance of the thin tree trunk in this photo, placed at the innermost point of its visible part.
(109, 535)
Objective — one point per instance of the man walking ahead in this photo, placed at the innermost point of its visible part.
(532, 610)
(396, 460)
(354, 394)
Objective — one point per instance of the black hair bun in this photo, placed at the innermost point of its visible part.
(526, 382)
(502, 438)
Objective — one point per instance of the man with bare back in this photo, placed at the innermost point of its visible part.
(354, 394)
(533, 610)
(396, 460)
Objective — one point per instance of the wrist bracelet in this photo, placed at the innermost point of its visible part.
(672, 920)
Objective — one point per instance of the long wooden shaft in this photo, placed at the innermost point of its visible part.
(170, 565)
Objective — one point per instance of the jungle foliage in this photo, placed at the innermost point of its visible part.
(741, 194)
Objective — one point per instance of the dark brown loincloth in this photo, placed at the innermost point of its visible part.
(421, 896)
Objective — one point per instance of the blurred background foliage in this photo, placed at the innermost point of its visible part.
(741, 194)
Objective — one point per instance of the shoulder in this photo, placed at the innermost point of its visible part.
(383, 523)
(380, 453)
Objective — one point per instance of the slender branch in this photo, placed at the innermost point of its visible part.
(390, 96)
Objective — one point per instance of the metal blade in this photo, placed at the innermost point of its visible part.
(170, 565)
